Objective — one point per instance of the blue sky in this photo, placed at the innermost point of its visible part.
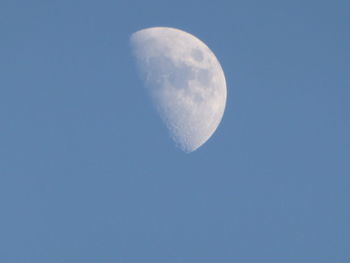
(88, 173)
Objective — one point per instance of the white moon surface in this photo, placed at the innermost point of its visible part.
(185, 80)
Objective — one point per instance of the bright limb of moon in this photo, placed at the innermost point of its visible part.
(185, 80)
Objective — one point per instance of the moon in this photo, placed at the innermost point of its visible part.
(185, 81)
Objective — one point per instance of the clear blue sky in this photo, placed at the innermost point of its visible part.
(88, 173)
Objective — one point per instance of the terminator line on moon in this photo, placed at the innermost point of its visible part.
(185, 81)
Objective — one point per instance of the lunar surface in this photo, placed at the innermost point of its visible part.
(185, 81)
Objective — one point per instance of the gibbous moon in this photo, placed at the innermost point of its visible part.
(185, 81)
